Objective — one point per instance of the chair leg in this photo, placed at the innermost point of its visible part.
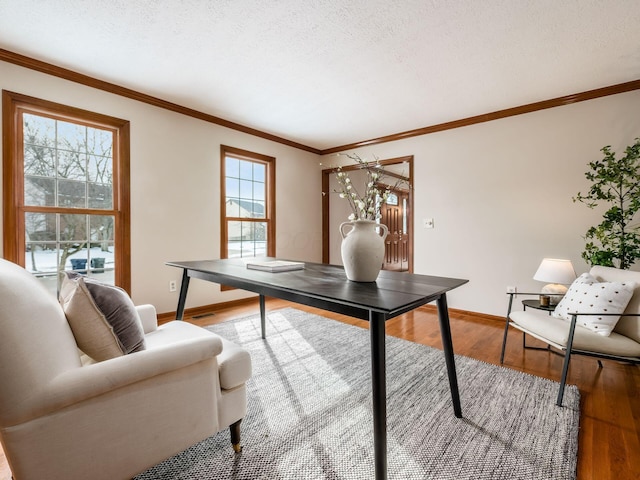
(506, 329)
(567, 359)
(234, 428)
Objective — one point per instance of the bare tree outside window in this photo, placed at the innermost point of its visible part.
(67, 165)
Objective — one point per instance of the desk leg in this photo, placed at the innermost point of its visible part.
(183, 295)
(447, 345)
(379, 383)
(263, 316)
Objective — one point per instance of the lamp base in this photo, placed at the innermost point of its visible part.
(555, 292)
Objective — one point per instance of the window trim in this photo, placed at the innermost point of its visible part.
(270, 204)
(13, 176)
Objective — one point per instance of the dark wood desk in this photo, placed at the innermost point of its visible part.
(327, 287)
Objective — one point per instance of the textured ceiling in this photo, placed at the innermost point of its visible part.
(326, 73)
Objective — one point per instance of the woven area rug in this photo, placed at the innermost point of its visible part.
(309, 413)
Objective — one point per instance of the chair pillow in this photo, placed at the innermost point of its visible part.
(587, 295)
(102, 317)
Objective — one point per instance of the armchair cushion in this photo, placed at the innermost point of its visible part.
(587, 295)
(556, 332)
(103, 318)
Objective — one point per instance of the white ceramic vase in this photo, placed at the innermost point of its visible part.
(363, 249)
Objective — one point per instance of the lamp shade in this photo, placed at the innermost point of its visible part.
(554, 270)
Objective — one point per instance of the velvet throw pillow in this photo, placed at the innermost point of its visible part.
(103, 318)
(587, 295)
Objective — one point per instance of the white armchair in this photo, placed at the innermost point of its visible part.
(623, 343)
(65, 418)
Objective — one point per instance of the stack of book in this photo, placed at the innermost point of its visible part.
(275, 265)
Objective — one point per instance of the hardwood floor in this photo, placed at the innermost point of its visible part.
(609, 438)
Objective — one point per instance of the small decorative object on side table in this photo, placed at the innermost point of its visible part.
(538, 305)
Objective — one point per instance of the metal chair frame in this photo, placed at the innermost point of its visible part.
(568, 349)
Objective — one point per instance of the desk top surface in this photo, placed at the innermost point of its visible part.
(392, 293)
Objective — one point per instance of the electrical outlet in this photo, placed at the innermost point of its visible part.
(512, 289)
(427, 222)
(172, 286)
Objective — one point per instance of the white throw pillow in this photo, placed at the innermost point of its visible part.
(587, 295)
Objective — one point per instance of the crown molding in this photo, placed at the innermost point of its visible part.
(54, 70)
(487, 117)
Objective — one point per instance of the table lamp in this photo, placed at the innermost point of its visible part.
(558, 273)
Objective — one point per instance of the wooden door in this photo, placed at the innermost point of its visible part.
(395, 217)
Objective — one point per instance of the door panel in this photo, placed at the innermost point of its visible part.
(396, 255)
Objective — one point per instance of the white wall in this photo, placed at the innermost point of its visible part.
(501, 194)
(175, 194)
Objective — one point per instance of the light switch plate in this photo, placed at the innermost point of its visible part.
(427, 222)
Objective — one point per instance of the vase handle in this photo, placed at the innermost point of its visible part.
(385, 230)
(344, 235)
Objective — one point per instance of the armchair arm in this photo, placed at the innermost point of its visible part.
(515, 294)
(83, 383)
(526, 293)
(148, 317)
(575, 314)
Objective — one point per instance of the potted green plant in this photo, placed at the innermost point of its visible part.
(615, 182)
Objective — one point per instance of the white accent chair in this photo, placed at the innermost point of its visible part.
(62, 418)
(623, 344)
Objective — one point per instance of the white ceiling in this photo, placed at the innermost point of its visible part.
(326, 73)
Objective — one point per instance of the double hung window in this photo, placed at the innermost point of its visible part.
(66, 191)
(248, 204)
